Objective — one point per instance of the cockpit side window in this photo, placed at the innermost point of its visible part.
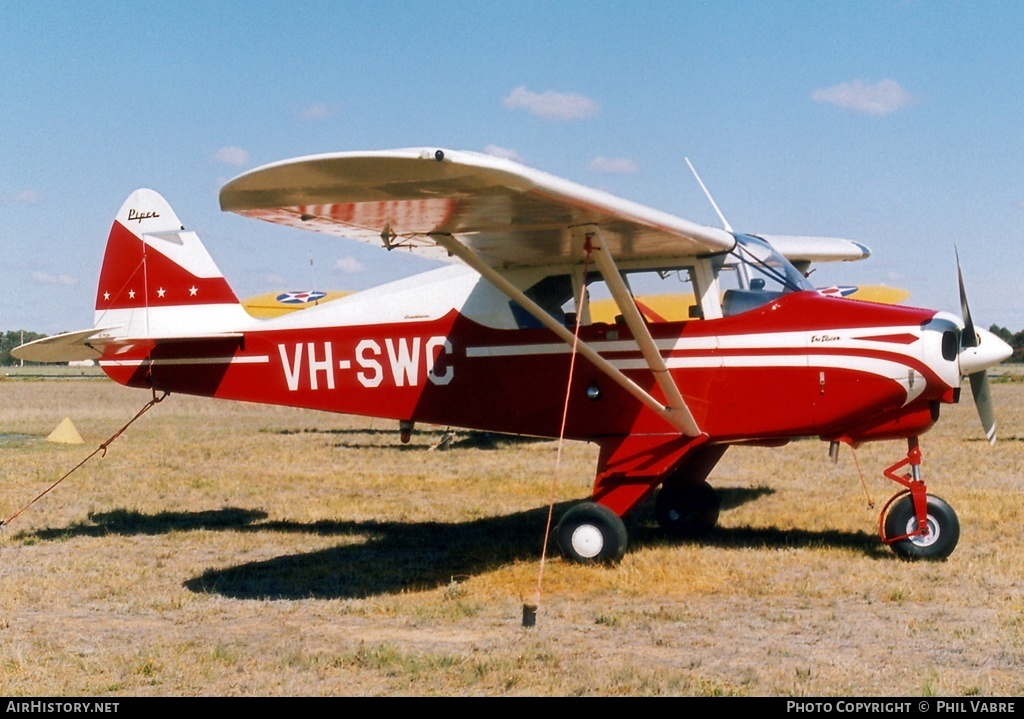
(662, 295)
(749, 276)
(552, 293)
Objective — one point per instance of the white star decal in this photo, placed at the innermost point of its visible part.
(131, 294)
(192, 291)
(161, 292)
(106, 295)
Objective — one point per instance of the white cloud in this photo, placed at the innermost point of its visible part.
(232, 155)
(349, 265)
(45, 278)
(503, 152)
(613, 166)
(551, 105)
(316, 111)
(881, 98)
(25, 197)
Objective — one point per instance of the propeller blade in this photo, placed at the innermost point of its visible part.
(969, 338)
(983, 401)
(979, 350)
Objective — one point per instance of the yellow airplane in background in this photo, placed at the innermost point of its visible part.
(668, 307)
(675, 307)
(275, 304)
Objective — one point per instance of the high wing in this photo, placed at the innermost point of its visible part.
(802, 251)
(493, 214)
(508, 215)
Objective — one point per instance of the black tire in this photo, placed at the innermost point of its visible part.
(943, 526)
(590, 533)
(687, 510)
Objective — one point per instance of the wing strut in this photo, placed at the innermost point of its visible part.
(635, 321)
(683, 422)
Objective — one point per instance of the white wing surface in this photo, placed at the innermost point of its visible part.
(508, 215)
(799, 249)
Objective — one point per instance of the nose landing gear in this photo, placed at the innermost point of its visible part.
(917, 525)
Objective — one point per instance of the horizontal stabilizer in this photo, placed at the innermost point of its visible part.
(66, 347)
(90, 344)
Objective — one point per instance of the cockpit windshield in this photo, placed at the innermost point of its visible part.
(760, 266)
(753, 273)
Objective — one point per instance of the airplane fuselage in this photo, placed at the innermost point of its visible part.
(489, 344)
(803, 365)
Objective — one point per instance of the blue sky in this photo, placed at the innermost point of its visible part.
(897, 124)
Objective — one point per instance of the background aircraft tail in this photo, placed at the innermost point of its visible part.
(158, 280)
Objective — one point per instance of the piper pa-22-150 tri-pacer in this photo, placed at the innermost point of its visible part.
(489, 342)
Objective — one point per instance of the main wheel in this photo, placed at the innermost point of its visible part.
(687, 510)
(590, 533)
(943, 529)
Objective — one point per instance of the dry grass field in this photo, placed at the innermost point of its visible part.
(230, 549)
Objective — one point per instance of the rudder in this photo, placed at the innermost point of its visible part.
(157, 279)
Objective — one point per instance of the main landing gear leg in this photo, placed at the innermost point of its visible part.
(629, 469)
(687, 506)
(917, 525)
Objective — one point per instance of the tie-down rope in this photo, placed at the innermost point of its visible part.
(102, 448)
(530, 611)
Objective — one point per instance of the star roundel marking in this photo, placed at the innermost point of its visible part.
(161, 292)
(297, 298)
(192, 291)
(131, 294)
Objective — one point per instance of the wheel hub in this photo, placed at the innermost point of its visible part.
(927, 539)
(587, 541)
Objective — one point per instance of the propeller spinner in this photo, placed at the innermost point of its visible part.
(979, 350)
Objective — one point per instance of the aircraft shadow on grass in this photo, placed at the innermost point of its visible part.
(440, 439)
(392, 557)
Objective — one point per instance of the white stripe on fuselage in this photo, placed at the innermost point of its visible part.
(760, 350)
(253, 359)
(802, 340)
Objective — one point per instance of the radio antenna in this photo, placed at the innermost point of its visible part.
(725, 223)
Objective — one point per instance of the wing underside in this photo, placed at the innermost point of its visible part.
(507, 214)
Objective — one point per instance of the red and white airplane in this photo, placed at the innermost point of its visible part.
(488, 342)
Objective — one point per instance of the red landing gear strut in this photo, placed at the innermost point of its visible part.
(917, 525)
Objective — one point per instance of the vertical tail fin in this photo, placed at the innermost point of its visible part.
(157, 278)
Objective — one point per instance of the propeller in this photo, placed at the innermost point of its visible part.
(979, 350)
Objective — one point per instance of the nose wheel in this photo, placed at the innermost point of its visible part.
(942, 528)
(917, 525)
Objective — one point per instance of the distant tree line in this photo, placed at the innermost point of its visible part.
(10, 340)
